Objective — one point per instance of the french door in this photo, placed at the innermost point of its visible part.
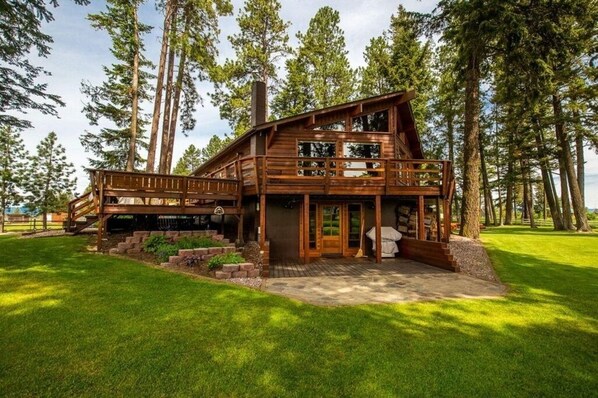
(331, 229)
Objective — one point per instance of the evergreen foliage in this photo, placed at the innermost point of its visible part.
(261, 42)
(320, 65)
(111, 103)
(13, 168)
(49, 178)
(21, 24)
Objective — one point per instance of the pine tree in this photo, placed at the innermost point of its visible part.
(13, 157)
(321, 65)
(117, 99)
(411, 63)
(261, 42)
(49, 178)
(191, 51)
(374, 77)
(189, 161)
(21, 24)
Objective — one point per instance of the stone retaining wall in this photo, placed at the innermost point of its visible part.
(134, 244)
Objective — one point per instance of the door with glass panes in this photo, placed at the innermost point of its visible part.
(331, 229)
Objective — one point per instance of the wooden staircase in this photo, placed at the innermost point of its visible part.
(428, 252)
(82, 213)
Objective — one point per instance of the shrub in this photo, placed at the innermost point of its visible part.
(196, 242)
(152, 243)
(166, 250)
(226, 258)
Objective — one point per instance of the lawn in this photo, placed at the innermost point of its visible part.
(77, 323)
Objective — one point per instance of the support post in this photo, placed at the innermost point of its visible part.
(447, 219)
(262, 221)
(100, 231)
(306, 229)
(420, 218)
(438, 229)
(240, 228)
(378, 229)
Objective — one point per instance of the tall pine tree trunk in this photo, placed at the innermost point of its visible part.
(134, 93)
(153, 143)
(175, 109)
(489, 212)
(509, 184)
(581, 174)
(168, 101)
(470, 206)
(555, 212)
(565, 153)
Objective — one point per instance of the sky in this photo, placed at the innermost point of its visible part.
(79, 51)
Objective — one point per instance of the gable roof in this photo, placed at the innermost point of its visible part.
(401, 97)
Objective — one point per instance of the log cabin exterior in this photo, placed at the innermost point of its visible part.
(314, 183)
(306, 186)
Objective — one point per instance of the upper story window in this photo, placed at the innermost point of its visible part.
(368, 150)
(334, 126)
(377, 121)
(316, 149)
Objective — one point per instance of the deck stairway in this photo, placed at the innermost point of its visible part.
(434, 253)
(82, 213)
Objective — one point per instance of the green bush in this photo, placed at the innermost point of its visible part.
(152, 243)
(196, 242)
(226, 258)
(166, 250)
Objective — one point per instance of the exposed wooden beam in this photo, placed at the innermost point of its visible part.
(271, 133)
(406, 97)
(357, 109)
(262, 221)
(309, 121)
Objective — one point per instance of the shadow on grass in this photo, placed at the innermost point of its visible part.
(127, 329)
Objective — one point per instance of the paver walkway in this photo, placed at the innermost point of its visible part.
(362, 281)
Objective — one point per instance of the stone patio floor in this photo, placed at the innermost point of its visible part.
(334, 282)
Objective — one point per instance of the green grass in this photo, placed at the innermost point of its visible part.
(76, 323)
(28, 226)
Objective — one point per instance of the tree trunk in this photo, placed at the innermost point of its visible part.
(134, 94)
(45, 220)
(567, 218)
(175, 110)
(581, 220)
(555, 212)
(470, 207)
(509, 184)
(168, 99)
(489, 212)
(151, 152)
(581, 174)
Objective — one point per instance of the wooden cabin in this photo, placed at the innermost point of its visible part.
(306, 186)
(314, 184)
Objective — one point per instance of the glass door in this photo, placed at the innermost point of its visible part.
(331, 229)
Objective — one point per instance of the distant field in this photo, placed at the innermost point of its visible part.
(30, 226)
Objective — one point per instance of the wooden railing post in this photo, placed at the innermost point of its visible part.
(185, 190)
(326, 175)
(386, 175)
(264, 174)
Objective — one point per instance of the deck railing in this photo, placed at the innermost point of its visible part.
(267, 171)
(159, 186)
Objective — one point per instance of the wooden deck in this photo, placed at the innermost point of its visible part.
(117, 192)
(339, 176)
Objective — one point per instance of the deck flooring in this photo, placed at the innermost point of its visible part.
(344, 266)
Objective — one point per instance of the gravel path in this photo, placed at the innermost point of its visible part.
(472, 258)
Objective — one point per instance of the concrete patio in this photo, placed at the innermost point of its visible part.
(361, 281)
